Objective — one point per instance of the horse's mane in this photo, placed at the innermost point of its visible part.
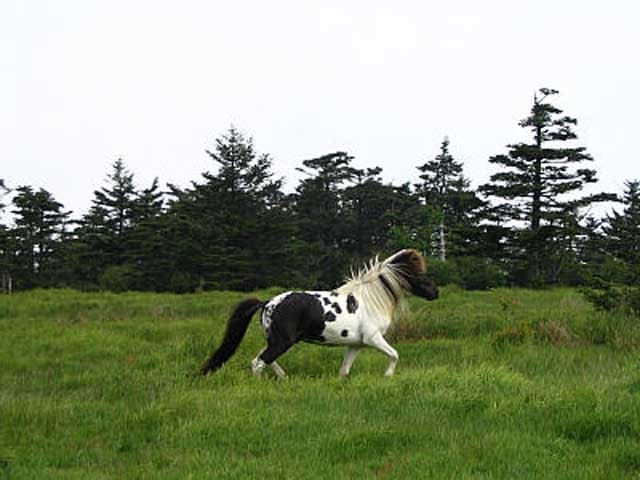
(382, 284)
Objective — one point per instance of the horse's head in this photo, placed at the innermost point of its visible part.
(422, 286)
(410, 264)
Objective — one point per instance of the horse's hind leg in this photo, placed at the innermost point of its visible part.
(277, 369)
(257, 365)
(268, 356)
(378, 342)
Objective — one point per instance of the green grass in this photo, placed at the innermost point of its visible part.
(502, 384)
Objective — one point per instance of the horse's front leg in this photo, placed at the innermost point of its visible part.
(349, 357)
(378, 342)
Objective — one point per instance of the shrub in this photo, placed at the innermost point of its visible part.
(183, 282)
(443, 273)
(471, 273)
(479, 273)
(614, 298)
(118, 278)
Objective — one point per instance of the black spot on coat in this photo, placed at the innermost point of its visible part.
(336, 307)
(329, 317)
(352, 303)
(326, 301)
(344, 333)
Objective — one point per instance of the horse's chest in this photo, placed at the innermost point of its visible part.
(342, 318)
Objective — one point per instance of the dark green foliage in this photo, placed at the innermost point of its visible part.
(441, 215)
(367, 214)
(232, 230)
(479, 274)
(471, 273)
(443, 272)
(614, 298)
(450, 206)
(103, 234)
(235, 228)
(118, 278)
(623, 232)
(38, 238)
(536, 189)
(322, 218)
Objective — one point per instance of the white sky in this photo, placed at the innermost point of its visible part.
(155, 82)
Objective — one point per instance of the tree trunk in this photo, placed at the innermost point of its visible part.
(443, 243)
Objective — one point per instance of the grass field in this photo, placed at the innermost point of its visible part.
(501, 384)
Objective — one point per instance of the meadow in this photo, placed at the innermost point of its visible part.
(499, 384)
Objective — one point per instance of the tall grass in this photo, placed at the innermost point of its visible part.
(501, 384)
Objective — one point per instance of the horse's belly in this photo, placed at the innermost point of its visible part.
(342, 331)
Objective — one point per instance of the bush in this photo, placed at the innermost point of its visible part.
(183, 282)
(118, 278)
(479, 274)
(614, 298)
(471, 273)
(443, 273)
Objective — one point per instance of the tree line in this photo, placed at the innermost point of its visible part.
(236, 228)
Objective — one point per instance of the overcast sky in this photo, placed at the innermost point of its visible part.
(156, 82)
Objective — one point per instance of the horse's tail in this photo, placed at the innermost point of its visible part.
(236, 328)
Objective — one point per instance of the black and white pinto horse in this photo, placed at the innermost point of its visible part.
(357, 314)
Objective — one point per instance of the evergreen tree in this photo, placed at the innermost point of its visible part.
(102, 238)
(411, 223)
(450, 203)
(6, 247)
(114, 204)
(366, 205)
(145, 254)
(40, 230)
(322, 223)
(232, 223)
(623, 232)
(537, 186)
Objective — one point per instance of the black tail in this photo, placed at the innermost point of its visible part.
(236, 328)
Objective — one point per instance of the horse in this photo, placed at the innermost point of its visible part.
(356, 314)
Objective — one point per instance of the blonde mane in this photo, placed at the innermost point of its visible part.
(382, 285)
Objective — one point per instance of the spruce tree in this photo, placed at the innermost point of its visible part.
(40, 231)
(449, 202)
(145, 253)
(366, 206)
(322, 222)
(231, 223)
(7, 249)
(623, 232)
(537, 189)
(104, 232)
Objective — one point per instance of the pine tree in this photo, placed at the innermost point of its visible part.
(115, 203)
(104, 232)
(537, 188)
(322, 221)
(7, 249)
(145, 253)
(231, 223)
(623, 232)
(40, 230)
(449, 202)
(366, 206)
